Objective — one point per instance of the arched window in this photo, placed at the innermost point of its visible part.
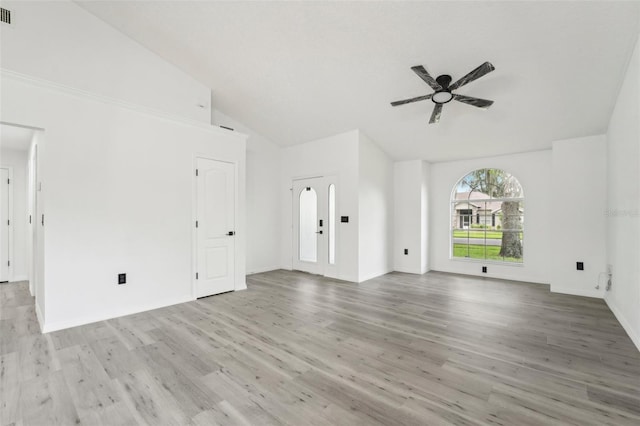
(487, 217)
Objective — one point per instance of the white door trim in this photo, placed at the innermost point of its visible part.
(194, 217)
(11, 223)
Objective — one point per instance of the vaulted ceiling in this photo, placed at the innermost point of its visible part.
(299, 71)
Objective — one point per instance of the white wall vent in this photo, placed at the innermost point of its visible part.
(5, 15)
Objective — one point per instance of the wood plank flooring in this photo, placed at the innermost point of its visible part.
(297, 349)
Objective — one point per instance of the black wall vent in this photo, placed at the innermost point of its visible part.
(5, 15)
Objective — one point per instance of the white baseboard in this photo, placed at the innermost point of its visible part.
(374, 275)
(498, 276)
(598, 294)
(261, 270)
(61, 325)
(407, 271)
(19, 278)
(343, 277)
(623, 321)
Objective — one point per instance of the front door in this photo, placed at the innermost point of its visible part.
(314, 226)
(465, 218)
(215, 227)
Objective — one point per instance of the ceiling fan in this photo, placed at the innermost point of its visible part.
(443, 89)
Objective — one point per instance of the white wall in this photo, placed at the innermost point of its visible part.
(62, 43)
(364, 193)
(375, 192)
(17, 161)
(578, 224)
(533, 172)
(116, 161)
(409, 217)
(333, 156)
(263, 197)
(623, 206)
(118, 189)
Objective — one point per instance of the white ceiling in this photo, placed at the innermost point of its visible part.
(299, 71)
(14, 137)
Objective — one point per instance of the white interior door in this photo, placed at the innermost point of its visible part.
(215, 227)
(4, 225)
(314, 231)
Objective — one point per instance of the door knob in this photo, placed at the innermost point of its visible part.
(231, 233)
(319, 232)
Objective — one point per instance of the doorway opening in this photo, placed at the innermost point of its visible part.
(21, 205)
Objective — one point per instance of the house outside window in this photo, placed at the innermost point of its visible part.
(495, 199)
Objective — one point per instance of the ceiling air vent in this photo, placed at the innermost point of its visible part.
(5, 15)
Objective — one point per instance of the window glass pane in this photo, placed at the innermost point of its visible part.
(332, 223)
(487, 219)
(308, 239)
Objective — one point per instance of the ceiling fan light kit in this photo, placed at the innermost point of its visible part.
(443, 90)
(442, 97)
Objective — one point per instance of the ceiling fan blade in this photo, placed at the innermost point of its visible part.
(424, 74)
(435, 115)
(476, 102)
(408, 101)
(483, 69)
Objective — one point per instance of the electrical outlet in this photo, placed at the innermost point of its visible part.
(580, 266)
(406, 251)
(122, 279)
(484, 269)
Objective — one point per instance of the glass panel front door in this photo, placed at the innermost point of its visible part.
(308, 220)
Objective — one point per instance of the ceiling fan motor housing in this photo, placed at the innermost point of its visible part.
(444, 80)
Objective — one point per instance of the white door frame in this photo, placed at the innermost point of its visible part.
(10, 253)
(194, 217)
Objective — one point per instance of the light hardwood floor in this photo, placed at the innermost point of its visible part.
(299, 349)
